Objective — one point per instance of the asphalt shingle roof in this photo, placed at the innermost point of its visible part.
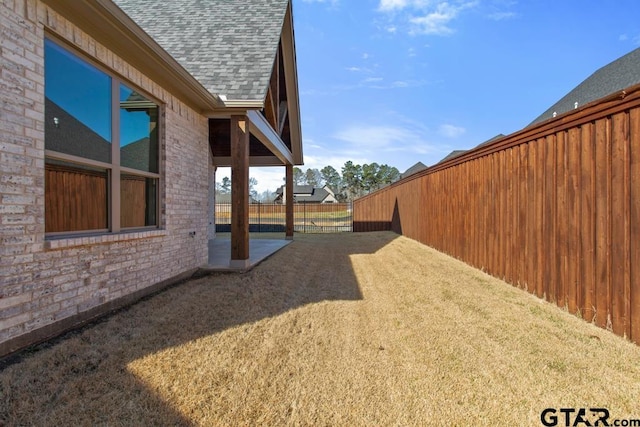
(413, 169)
(453, 154)
(229, 46)
(613, 77)
(298, 189)
(306, 193)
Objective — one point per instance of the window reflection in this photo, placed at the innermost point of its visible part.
(75, 197)
(77, 106)
(138, 199)
(138, 131)
(80, 112)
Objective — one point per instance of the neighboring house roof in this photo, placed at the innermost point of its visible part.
(308, 193)
(319, 195)
(226, 198)
(298, 189)
(413, 169)
(453, 154)
(457, 153)
(489, 141)
(229, 46)
(618, 75)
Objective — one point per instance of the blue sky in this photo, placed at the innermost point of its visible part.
(402, 81)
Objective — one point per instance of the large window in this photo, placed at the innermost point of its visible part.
(102, 149)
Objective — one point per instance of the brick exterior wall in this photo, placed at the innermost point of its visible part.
(42, 282)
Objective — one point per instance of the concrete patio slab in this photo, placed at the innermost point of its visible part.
(259, 250)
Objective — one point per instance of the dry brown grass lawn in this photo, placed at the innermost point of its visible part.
(353, 329)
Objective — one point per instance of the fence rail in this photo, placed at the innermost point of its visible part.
(554, 209)
(307, 217)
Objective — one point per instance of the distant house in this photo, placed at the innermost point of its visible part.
(458, 153)
(114, 116)
(225, 198)
(491, 140)
(308, 194)
(452, 155)
(413, 169)
(615, 76)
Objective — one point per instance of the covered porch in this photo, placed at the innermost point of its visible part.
(255, 129)
(261, 248)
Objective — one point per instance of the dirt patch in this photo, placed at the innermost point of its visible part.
(351, 329)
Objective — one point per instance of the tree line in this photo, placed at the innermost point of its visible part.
(354, 180)
(224, 187)
(351, 182)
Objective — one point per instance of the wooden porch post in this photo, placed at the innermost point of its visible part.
(211, 209)
(239, 192)
(289, 201)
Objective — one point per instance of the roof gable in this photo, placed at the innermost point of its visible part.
(419, 166)
(229, 46)
(452, 155)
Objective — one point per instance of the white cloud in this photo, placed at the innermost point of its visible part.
(372, 136)
(437, 21)
(424, 16)
(395, 5)
(387, 5)
(451, 131)
(499, 16)
(434, 22)
(625, 37)
(397, 84)
(374, 139)
(400, 83)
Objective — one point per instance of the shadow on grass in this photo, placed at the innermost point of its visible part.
(83, 378)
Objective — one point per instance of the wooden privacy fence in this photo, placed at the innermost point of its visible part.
(553, 208)
(307, 217)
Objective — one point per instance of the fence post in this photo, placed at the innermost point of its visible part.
(259, 222)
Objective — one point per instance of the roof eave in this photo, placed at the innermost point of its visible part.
(265, 133)
(241, 104)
